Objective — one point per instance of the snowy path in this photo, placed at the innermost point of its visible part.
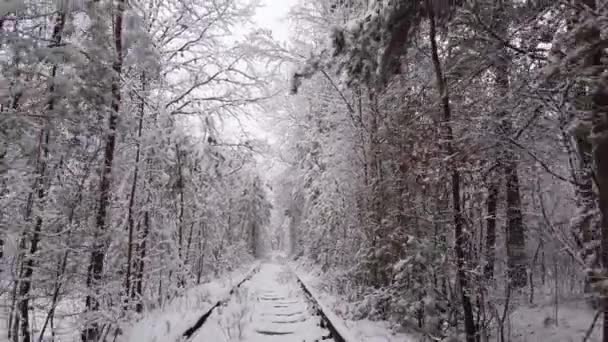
(270, 307)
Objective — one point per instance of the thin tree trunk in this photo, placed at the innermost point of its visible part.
(25, 283)
(460, 236)
(130, 219)
(593, 123)
(16, 98)
(586, 229)
(180, 184)
(56, 291)
(587, 200)
(375, 179)
(515, 234)
(95, 270)
(140, 270)
(516, 239)
(13, 322)
(43, 153)
(188, 244)
(201, 251)
(491, 230)
(180, 227)
(600, 154)
(62, 264)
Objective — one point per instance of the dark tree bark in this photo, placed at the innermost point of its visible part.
(254, 234)
(586, 230)
(460, 235)
(516, 238)
(180, 186)
(94, 275)
(63, 262)
(201, 250)
(139, 277)
(40, 186)
(600, 154)
(375, 182)
(596, 118)
(189, 244)
(130, 220)
(490, 247)
(515, 231)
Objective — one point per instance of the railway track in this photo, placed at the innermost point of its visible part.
(187, 335)
(273, 304)
(328, 320)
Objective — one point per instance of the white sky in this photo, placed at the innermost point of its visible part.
(272, 15)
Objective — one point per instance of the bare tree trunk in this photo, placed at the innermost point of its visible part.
(491, 202)
(516, 239)
(141, 264)
(600, 154)
(43, 153)
(16, 98)
(515, 234)
(254, 234)
(91, 333)
(586, 230)
(62, 264)
(180, 223)
(180, 185)
(56, 291)
(25, 283)
(130, 219)
(201, 249)
(188, 244)
(587, 199)
(460, 235)
(1, 251)
(597, 119)
(375, 179)
(14, 318)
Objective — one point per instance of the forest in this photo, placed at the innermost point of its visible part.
(438, 169)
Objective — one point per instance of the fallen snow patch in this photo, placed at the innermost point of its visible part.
(169, 322)
(351, 330)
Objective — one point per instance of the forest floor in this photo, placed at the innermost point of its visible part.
(539, 324)
(542, 322)
(169, 322)
(360, 329)
(271, 307)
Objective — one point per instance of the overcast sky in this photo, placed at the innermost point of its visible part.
(273, 16)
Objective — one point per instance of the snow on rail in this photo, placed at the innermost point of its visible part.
(169, 321)
(199, 323)
(339, 331)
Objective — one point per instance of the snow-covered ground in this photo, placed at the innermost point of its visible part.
(270, 307)
(66, 318)
(538, 324)
(360, 330)
(172, 320)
